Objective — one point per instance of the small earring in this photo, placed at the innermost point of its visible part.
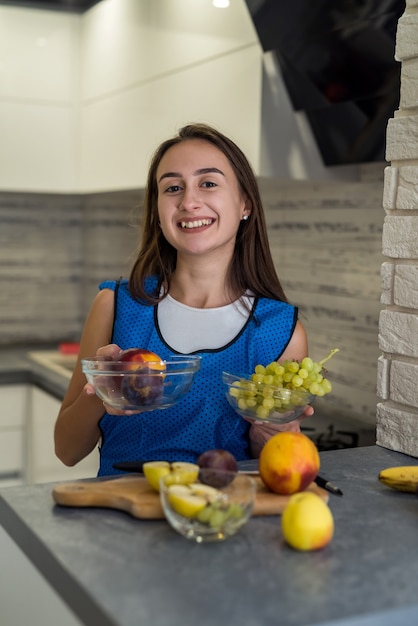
(245, 217)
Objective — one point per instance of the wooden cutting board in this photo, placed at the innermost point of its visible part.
(133, 495)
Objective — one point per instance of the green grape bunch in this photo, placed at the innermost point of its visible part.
(306, 374)
(281, 387)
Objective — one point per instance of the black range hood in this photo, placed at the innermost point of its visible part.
(336, 58)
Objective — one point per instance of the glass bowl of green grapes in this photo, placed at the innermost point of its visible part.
(277, 393)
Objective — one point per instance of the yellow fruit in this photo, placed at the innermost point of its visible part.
(404, 478)
(288, 462)
(177, 472)
(184, 501)
(154, 470)
(206, 491)
(307, 522)
(182, 473)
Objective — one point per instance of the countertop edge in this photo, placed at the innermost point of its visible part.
(80, 602)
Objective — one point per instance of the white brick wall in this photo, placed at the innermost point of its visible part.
(397, 371)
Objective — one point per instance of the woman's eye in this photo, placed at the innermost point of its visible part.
(173, 188)
(209, 183)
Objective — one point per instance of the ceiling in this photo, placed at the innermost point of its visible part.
(71, 6)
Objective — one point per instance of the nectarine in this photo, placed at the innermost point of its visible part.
(146, 387)
(141, 356)
(288, 463)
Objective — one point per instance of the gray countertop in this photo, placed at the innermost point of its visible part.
(112, 569)
(16, 366)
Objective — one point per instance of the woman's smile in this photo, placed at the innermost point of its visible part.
(196, 223)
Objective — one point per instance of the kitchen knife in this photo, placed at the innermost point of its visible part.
(136, 466)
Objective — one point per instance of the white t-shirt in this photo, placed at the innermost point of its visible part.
(188, 329)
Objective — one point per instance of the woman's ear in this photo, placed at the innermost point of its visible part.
(247, 209)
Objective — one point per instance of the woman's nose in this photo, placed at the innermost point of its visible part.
(190, 199)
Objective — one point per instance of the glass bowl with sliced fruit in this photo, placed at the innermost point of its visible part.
(135, 383)
(278, 392)
(212, 508)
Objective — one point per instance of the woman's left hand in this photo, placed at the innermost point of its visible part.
(261, 432)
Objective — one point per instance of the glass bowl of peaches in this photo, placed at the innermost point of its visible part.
(139, 380)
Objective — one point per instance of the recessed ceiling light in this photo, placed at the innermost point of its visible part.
(220, 4)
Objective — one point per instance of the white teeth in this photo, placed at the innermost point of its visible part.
(196, 223)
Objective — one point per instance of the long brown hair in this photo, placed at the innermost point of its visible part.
(251, 266)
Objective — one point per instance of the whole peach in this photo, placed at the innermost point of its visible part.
(141, 356)
(146, 386)
(289, 462)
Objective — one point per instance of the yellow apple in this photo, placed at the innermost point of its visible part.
(189, 500)
(185, 501)
(307, 522)
(178, 472)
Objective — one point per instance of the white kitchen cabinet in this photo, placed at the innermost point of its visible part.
(13, 413)
(25, 595)
(43, 465)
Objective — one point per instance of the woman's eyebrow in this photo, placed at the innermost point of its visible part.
(209, 170)
(203, 170)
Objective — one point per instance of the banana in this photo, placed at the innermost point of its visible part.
(404, 478)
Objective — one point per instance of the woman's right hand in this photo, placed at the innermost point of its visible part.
(111, 351)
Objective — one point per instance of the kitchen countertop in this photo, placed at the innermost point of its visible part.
(16, 366)
(114, 570)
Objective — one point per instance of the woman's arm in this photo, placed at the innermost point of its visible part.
(296, 350)
(77, 427)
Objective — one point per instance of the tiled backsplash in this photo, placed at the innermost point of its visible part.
(326, 241)
(54, 250)
(110, 233)
(40, 266)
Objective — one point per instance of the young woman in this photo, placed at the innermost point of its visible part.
(203, 283)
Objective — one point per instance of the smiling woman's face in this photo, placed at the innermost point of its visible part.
(200, 203)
